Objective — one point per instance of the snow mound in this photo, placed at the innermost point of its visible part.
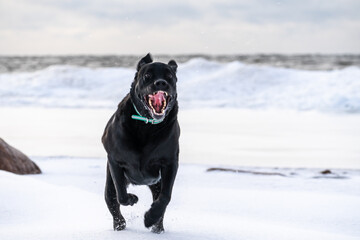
(202, 83)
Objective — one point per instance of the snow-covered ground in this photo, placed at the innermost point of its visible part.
(216, 136)
(254, 118)
(66, 202)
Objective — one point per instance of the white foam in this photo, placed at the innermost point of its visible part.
(201, 83)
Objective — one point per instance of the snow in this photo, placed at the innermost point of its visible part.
(201, 83)
(253, 118)
(66, 202)
(216, 136)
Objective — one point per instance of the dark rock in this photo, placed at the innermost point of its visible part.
(327, 171)
(12, 160)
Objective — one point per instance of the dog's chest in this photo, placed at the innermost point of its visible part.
(142, 155)
(143, 171)
(142, 167)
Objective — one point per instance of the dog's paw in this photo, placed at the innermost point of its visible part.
(151, 218)
(119, 224)
(158, 227)
(130, 200)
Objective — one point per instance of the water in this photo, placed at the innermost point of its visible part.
(304, 62)
(325, 83)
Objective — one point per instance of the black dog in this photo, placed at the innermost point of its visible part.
(142, 142)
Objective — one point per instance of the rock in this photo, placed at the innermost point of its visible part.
(12, 160)
(327, 171)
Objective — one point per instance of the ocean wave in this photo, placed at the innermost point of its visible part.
(201, 83)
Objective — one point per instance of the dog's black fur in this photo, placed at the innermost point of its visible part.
(140, 153)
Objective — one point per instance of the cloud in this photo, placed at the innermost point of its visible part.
(269, 11)
(116, 12)
(214, 26)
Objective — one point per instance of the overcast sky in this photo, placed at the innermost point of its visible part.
(183, 26)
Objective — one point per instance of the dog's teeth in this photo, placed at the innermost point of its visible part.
(163, 108)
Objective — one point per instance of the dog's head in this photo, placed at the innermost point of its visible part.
(153, 90)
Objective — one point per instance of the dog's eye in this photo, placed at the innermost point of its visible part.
(147, 76)
(169, 76)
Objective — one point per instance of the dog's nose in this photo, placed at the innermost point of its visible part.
(161, 83)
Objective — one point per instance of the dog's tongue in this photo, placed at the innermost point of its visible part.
(157, 101)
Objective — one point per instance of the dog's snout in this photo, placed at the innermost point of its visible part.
(160, 83)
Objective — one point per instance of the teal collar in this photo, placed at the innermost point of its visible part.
(144, 119)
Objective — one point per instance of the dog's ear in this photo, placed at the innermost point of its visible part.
(143, 61)
(173, 65)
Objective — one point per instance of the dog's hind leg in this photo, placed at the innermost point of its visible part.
(119, 222)
(155, 190)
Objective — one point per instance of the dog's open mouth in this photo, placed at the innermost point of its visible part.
(158, 102)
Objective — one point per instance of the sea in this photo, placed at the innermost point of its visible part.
(308, 82)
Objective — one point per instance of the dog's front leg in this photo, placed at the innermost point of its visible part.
(120, 183)
(158, 207)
